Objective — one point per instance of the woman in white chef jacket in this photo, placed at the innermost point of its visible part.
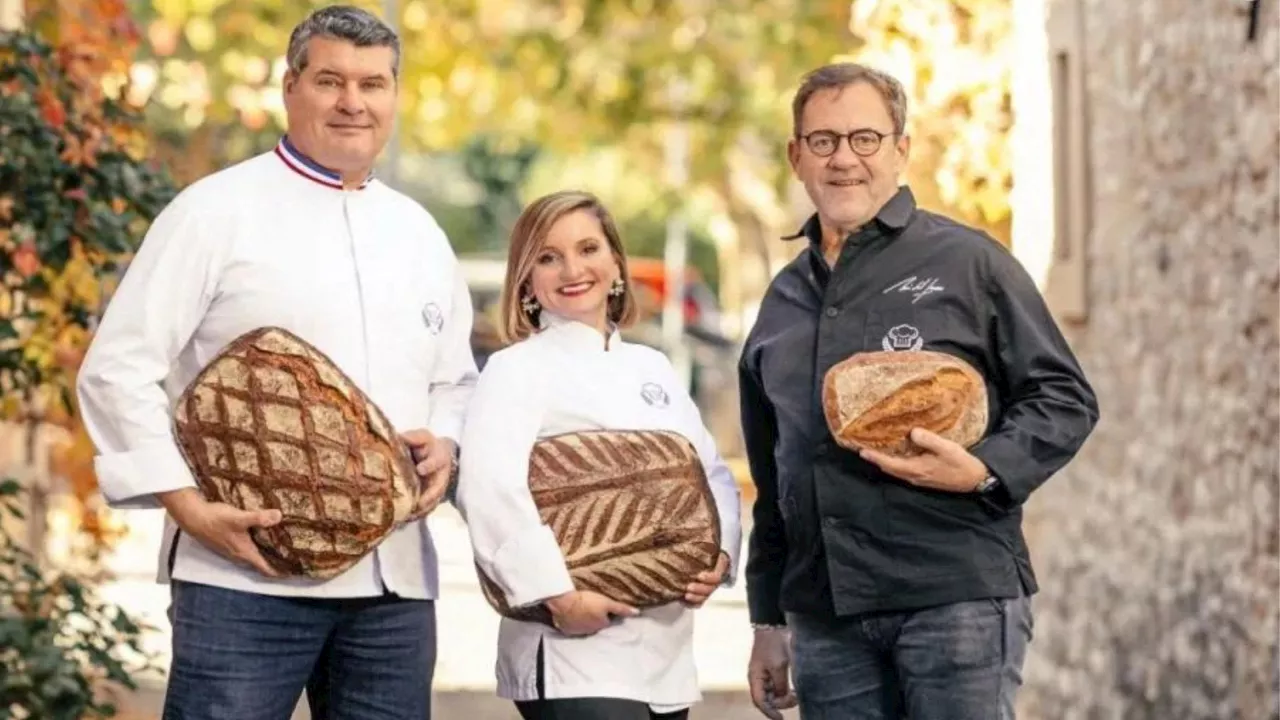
(565, 296)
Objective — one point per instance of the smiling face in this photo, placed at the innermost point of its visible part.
(341, 106)
(848, 189)
(574, 269)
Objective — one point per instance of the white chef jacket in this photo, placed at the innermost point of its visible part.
(366, 275)
(563, 379)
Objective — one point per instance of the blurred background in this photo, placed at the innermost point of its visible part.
(1127, 152)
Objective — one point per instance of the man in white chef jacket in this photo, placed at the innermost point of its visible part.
(304, 238)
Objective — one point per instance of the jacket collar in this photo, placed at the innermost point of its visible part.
(575, 334)
(296, 161)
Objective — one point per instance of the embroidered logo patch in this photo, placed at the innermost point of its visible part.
(433, 318)
(655, 395)
(918, 287)
(902, 337)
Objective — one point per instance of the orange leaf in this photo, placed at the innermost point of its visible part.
(25, 260)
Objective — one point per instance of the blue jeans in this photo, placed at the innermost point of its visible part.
(953, 662)
(248, 656)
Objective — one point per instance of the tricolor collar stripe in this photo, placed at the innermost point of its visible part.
(308, 169)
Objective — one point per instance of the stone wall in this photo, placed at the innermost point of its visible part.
(1157, 547)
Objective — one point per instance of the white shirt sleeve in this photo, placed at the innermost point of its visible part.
(157, 307)
(455, 374)
(724, 488)
(510, 542)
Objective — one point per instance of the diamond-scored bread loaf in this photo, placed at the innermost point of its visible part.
(272, 423)
(632, 511)
(874, 399)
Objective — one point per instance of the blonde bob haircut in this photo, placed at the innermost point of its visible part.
(527, 239)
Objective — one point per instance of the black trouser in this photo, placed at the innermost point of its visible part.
(588, 708)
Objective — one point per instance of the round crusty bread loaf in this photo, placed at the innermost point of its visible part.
(632, 511)
(272, 423)
(874, 399)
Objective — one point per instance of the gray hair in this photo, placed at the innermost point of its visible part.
(842, 75)
(342, 22)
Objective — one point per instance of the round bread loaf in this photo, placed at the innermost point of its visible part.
(874, 399)
(272, 423)
(632, 511)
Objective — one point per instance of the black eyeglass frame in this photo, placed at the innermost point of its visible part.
(836, 138)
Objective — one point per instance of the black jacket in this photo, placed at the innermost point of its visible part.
(832, 533)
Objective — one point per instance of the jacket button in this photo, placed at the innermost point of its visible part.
(832, 311)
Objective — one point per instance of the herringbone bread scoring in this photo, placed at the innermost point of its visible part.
(632, 511)
(874, 399)
(272, 423)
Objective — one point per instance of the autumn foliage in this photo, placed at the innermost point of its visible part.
(76, 196)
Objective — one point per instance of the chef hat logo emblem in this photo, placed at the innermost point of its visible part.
(433, 318)
(902, 337)
(655, 395)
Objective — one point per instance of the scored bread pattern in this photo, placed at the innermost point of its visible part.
(935, 403)
(272, 423)
(632, 511)
(874, 400)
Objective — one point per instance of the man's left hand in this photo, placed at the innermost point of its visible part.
(434, 458)
(944, 464)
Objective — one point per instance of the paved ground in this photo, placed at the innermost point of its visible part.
(467, 633)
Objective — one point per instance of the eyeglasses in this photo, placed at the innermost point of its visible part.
(864, 142)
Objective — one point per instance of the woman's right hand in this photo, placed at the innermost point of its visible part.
(584, 612)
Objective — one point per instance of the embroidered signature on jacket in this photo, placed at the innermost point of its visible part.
(918, 287)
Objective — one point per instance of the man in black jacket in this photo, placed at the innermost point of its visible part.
(901, 585)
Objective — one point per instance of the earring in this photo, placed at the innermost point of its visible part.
(529, 305)
(617, 288)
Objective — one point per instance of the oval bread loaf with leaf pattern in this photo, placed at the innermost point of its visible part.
(272, 423)
(874, 399)
(632, 511)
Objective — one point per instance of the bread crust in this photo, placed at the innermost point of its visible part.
(272, 423)
(874, 399)
(632, 511)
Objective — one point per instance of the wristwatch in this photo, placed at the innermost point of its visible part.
(989, 483)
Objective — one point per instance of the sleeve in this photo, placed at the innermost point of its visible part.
(511, 544)
(157, 307)
(724, 488)
(767, 545)
(1049, 406)
(455, 374)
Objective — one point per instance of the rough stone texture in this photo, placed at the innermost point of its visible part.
(1157, 547)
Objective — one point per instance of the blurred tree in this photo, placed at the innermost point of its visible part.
(576, 75)
(568, 76)
(955, 59)
(500, 169)
(76, 195)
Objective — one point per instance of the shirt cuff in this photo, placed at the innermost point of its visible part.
(731, 545)
(530, 567)
(129, 480)
(764, 601)
(446, 425)
(1010, 464)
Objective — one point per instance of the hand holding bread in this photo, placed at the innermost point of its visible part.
(943, 464)
(434, 463)
(912, 414)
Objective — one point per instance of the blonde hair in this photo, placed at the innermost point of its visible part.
(527, 239)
